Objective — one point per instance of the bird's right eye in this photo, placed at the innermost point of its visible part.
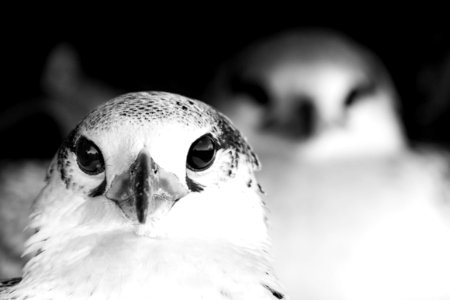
(89, 157)
(358, 93)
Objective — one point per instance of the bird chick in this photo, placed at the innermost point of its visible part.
(355, 212)
(152, 195)
(316, 91)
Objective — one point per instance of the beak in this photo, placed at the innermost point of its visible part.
(145, 189)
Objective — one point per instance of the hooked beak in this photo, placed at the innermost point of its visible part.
(145, 189)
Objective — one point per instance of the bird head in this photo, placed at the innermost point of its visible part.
(156, 165)
(313, 90)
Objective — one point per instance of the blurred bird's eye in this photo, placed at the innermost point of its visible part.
(89, 157)
(202, 153)
(250, 88)
(358, 93)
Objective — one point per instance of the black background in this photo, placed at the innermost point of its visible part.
(161, 51)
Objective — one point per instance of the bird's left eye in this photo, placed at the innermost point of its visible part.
(89, 157)
(358, 93)
(202, 153)
(251, 88)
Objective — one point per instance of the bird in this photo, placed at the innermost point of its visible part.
(357, 211)
(69, 92)
(316, 88)
(151, 196)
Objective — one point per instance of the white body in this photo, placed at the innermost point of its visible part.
(113, 261)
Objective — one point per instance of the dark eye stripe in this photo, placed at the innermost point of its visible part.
(99, 190)
(358, 92)
(193, 185)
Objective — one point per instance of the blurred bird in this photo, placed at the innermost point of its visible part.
(70, 92)
(151, 196)
(69, 95)
(317, 89)
(356, 212)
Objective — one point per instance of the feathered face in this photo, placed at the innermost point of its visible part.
(156, 164)
(151, 191)
(312, 89)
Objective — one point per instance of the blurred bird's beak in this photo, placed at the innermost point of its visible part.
(145, 189)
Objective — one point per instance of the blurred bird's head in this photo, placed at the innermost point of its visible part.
(154, 164)
(314, 90)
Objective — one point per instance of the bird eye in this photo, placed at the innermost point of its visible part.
(202, 153)
(89, 157)
(251, 88)
(358, 93)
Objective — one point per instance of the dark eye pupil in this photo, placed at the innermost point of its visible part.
(201, 154)
(89, 158)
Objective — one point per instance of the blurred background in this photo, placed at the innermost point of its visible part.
(96, 60)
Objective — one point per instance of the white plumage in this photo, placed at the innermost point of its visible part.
(152, 196)
(356, 214)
